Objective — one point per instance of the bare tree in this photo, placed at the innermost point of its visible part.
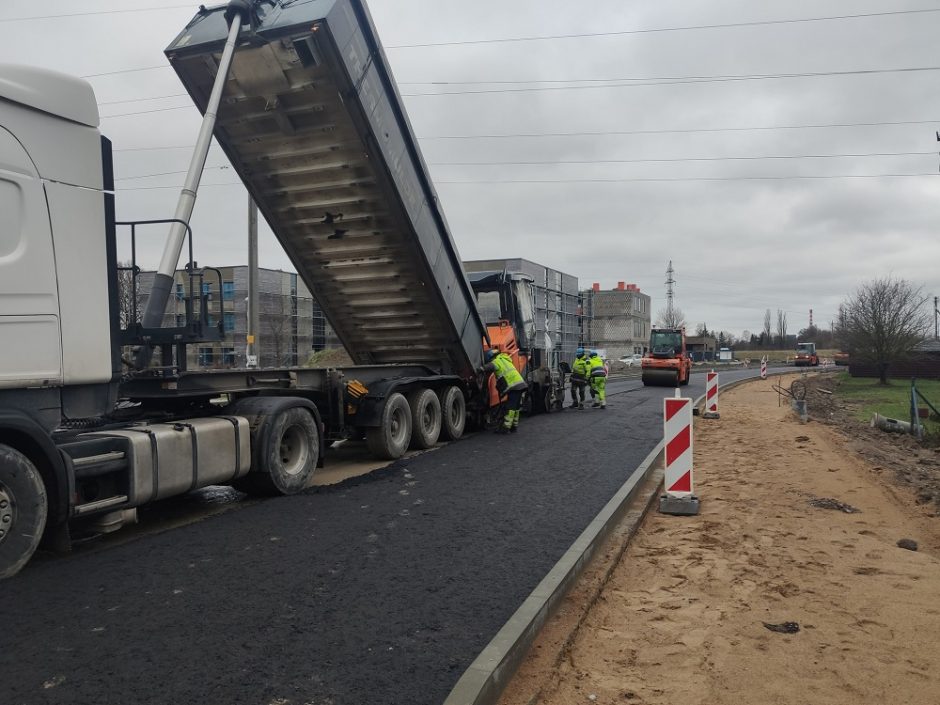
(883, 320)
(128, 295)
(768, 333)
(667, 318)
(701, 330)
(279, 334)
(782, 328)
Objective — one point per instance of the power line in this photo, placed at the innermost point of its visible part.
(114, 73)
(167, 173)
(96, 12)
(684, 178)
(145, 112)
(715, 79)
(693, 130)
(142, 100)
(669, 79)
(683, 159)
(593, 181)
(651, 30)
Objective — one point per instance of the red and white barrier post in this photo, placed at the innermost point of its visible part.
(711, 396)
(763, 367)
(677, 424)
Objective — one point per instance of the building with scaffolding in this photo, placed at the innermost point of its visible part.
(557, 308)
(616, 321)
(292, 324)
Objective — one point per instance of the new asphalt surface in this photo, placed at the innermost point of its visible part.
(380, 590)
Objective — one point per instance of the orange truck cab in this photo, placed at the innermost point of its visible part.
(506, 301)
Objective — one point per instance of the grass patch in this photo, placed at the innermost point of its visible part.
(892, 400)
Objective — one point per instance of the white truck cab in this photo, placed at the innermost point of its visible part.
(54, 285)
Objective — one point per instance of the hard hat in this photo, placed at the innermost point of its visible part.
(594, 353)
(579, 351)
(491, 353)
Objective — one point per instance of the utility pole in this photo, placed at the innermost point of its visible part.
(670, 281)
(252, 348)
(936, 317)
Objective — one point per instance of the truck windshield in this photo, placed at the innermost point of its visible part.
(807, 348)
(664, 342)
(489, 306)
(525, 301)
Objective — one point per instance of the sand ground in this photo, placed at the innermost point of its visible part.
(682, 618)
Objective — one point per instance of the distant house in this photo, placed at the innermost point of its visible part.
(923, 362)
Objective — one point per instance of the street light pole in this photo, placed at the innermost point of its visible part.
(252, 348)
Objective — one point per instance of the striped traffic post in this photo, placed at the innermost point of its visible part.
(711, 396)
(763, 367)
(677, 426)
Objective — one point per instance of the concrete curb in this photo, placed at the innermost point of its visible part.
(483, 682)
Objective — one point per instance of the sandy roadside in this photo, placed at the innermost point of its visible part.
(682, 618)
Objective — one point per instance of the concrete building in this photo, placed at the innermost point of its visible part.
(557, 309)
(616, 321)
(292, 323)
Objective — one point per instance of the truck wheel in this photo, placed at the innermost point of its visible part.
(547, 405)
(285, 456)
(22, 510)
(425, 418)
(390, 440)
(453, 414)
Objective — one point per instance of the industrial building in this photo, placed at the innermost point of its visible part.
(292, 324)
(617, 321)
(557, 308)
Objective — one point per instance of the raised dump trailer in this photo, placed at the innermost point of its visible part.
(312, 122)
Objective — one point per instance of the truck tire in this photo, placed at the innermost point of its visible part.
(425, 418)
(23, 510)
(453, 414)
(285, 454)
(390, 440)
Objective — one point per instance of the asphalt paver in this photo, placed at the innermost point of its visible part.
(382, 589)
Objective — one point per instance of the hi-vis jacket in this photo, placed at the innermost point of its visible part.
(507, 376)
(580, 369)
(597, 367)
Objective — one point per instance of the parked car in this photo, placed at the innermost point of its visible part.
(632, 360)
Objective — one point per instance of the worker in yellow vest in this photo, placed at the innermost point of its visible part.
(508, 382)
(580, 373)
(598, 374)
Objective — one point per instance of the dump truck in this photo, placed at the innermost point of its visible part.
(667, 363)
(300, 97)
(806, 355)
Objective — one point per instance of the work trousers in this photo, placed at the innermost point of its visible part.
(599, 389)
(513, 404)
(578, 390)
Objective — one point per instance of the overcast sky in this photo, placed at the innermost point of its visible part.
(739, 246)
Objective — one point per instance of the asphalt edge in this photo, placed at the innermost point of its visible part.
(485, 679)
(483, 682)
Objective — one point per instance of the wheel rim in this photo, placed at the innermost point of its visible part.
(396, 425)
(427, 418)
(7, 512)
(293, 450)
(453, 413)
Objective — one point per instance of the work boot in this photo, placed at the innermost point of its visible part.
(604, 405)
(581, 406)
(573, 405)
(595, 405)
